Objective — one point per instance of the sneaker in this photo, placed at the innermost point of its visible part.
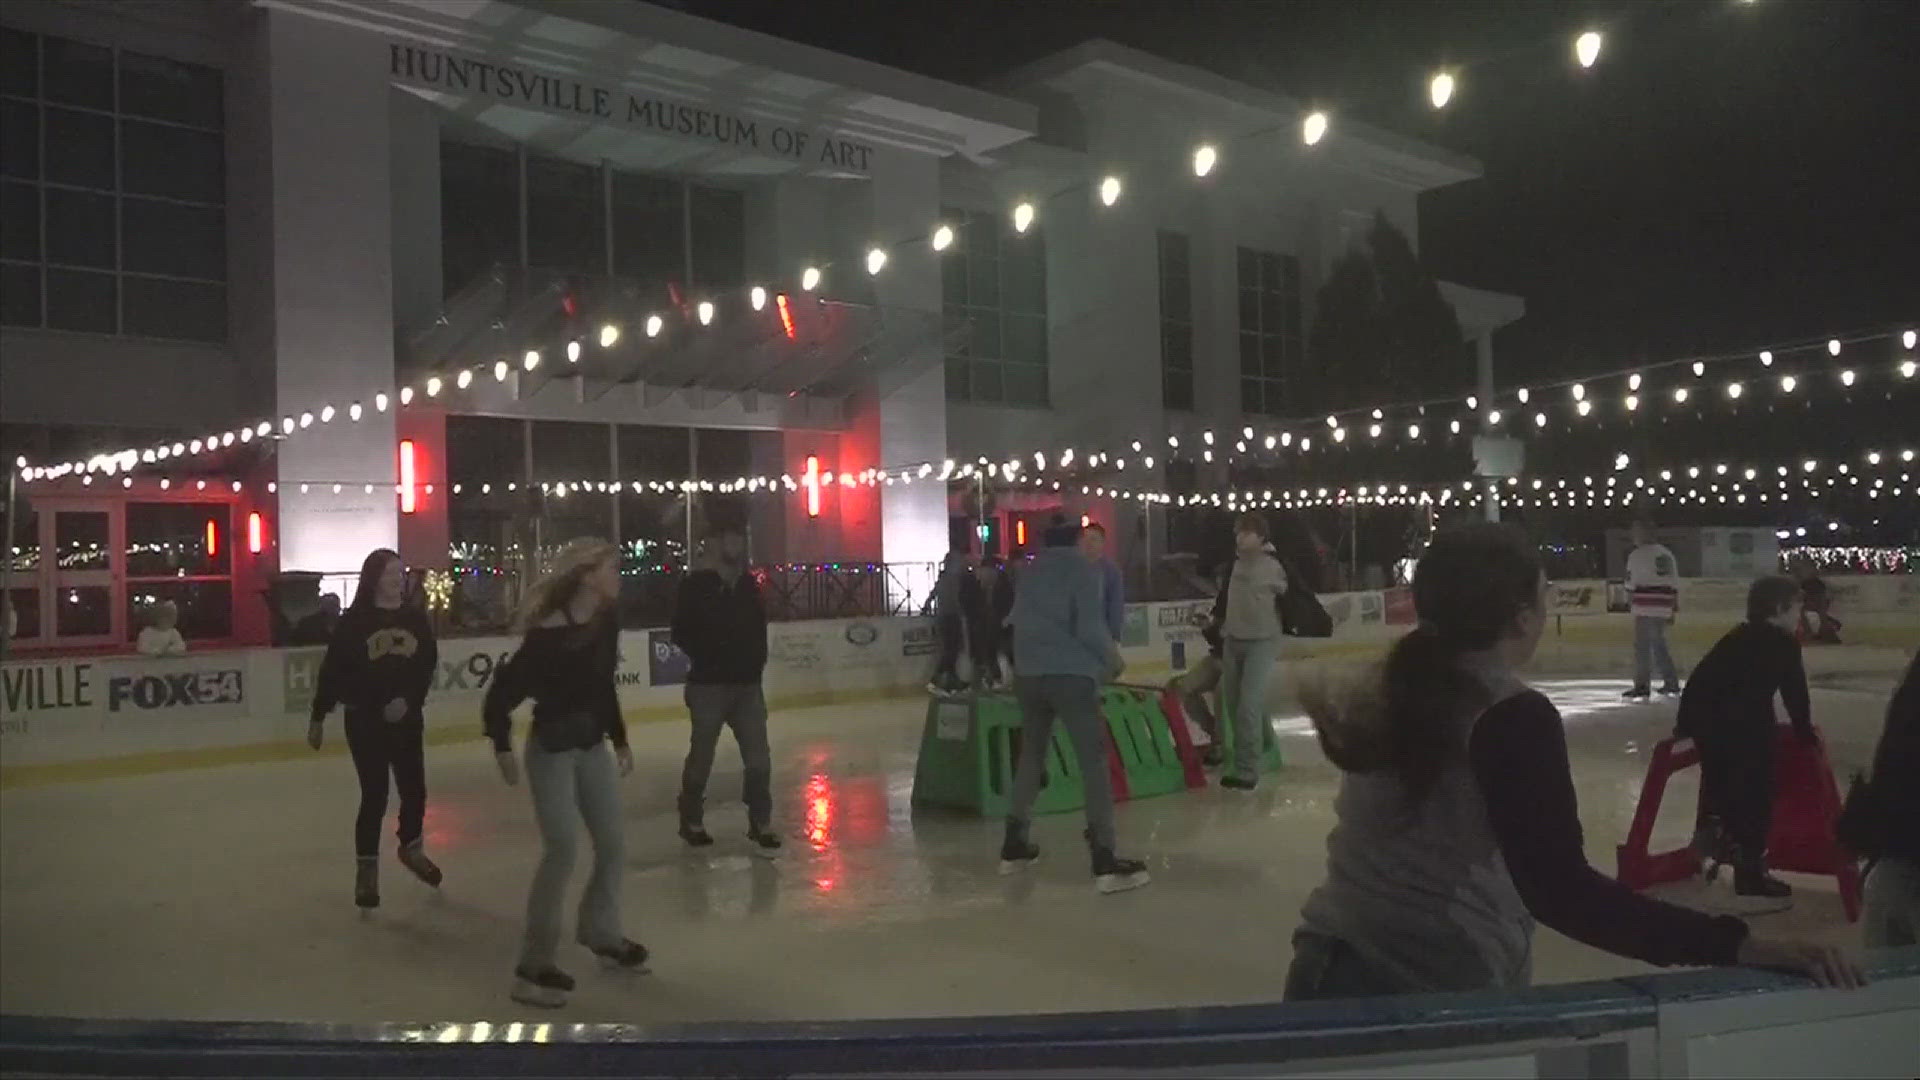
(1670, 689)
(546, 988)
(414, 857)
(366, 882)
(1112, 874)
(1212, 758)
(1016, 851)
(1638, 693)
(765, 844)
(1238, 783)
(695, 836)
(630, 955)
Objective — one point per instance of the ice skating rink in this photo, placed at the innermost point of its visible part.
(226, 892)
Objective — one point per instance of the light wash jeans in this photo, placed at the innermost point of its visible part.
(570, 786)
(1892, 916)
(1249, 668)
(1650, 648)
(1075, 701)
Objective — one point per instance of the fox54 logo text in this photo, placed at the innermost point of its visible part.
(174, 690)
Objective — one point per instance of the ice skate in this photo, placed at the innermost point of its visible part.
(695, 835)
(414, 857)
(546, 988)
(1112, 874)
(1638, 693)
(1016, 851)
(626, 956)
(765, 844)
(366, 882)
(1754, 881)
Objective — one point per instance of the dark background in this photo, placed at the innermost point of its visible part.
(1728, 175)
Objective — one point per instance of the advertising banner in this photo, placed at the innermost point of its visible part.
(666, 664)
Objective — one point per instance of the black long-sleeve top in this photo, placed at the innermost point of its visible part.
(566, 670)
(376, 655)
(1731, 689)
(721, 624)
(1896, 770)
(1518, 752)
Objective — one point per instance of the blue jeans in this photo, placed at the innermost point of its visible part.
(1075, 701)
(1650, 648)
(1248, 671)
(571, 786)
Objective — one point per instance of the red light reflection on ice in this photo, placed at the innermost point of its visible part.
(820, 810)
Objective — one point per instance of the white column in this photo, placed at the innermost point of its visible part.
(332, 287)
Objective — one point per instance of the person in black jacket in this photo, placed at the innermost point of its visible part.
(567, 663)
(1892, 915)
(720, 622)
(1727, 710)
(987, 596)
(380, 664)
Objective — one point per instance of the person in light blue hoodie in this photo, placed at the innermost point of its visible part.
(1063, 651)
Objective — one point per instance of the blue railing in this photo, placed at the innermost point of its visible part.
(1633, 1026)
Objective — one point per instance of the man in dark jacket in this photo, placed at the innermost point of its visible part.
(1727, 710)
(948, 605)
(720, 622)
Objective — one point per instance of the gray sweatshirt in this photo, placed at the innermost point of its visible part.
(1256, 583)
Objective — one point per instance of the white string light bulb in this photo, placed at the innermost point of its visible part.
(1583, 407)
(1680, 394)
(1766, 357)
(1586, 48)
(1413, 431)
(406, 396)
(1340, 434)
(655, 324)
(810, 278)
(1579, 392)
(326, 417)
(1699, 368)
(500, 370)
(531, 360)
(609, 334)
(464, 379)
(1525, 394)
(354, 412)
(1333, 422)
(1373, 431)
(1494, 417)
(1540, 419)
(1204, 159)
(1313, 128)
(1734, 390)
(1022, 217)
(1440, 90)
(1846, 377)
(1833, 346)
(1906, 369)
(1109, 191)
(1633, 402)
(876, 260)
(380, 402)
(705, 310)
(573, 352)
(1787, 383)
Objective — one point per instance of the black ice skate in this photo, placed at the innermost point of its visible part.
(628, 955)
(1238, 783)
(765, 844)
(1670, 689)
(1638, 693)
(1112, 874)
(414, 857)
(366, 882)
(546, 988)
(1755, 881)
(695, 836)
(1016, 851)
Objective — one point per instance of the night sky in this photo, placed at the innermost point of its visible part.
(1728, 175)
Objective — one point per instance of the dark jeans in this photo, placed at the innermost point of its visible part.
(713, 706)
(1074, 700)
(1327, 967)
(380, 747)
(985, 648)
(1736, 783)
(953, 634)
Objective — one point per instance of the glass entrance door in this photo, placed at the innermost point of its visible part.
(80, 579)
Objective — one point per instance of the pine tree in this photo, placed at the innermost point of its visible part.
(1381, 330)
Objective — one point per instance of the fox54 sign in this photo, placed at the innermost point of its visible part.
(223, 690)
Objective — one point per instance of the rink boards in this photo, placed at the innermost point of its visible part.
(76, 717)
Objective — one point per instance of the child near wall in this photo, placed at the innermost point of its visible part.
(161, 635)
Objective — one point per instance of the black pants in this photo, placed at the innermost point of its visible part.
(379, 747)
(953, 632)
(985, 647)
(1736, 782)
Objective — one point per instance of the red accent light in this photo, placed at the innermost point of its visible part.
(256, 532)
(1020, 532)
(569, 305)
(812, 483)
(409, 496)
(786, 315)
(213, 538)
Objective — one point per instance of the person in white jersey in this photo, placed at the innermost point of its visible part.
(1653, 596)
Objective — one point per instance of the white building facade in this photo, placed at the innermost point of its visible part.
(298, 213)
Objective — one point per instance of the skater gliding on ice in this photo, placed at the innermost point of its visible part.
(566, 663)
(380, 665)
(1247, 611)
(1653, 596)
(1727, 711)
(720, 622)
(1456, 824)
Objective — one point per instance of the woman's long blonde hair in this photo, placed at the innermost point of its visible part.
(558, 586)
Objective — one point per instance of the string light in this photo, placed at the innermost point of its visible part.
(609, 334)
(705, 311)
(1313, 128)
(876, 261)
(758, 298)
(531, 360)
(1680, 394)
(500, 370)
(810, 278)
(1833, 346)
(1109, 191)
(1525, 395)
(1734, 390)
(1440, 90)
(1633, 402)
(1204, 159)
(942, 237)
(1846, 377)
(464, 379)
(1022, 217)
(1906, 339)
(1586, 48)
(1787, 383)
(573, 352)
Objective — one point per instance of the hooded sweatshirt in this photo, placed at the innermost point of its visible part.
(377, 654)
(1059, 621)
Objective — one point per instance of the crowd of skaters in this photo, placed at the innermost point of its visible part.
(1456, 826)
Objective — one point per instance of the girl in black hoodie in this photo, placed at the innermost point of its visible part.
(380, 665)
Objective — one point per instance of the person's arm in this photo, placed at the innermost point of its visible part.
(335, 674)
(607, 671)
(1518, 753)
(504, 694)
(426, 661)
(1089, 620)
(1793, 686)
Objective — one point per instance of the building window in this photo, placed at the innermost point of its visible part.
(995, 289)
(1270, 337)
(181, 552)
(119, 226)
(1176, 322)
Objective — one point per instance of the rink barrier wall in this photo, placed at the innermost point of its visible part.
(93, 717)
(1690, 1024)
